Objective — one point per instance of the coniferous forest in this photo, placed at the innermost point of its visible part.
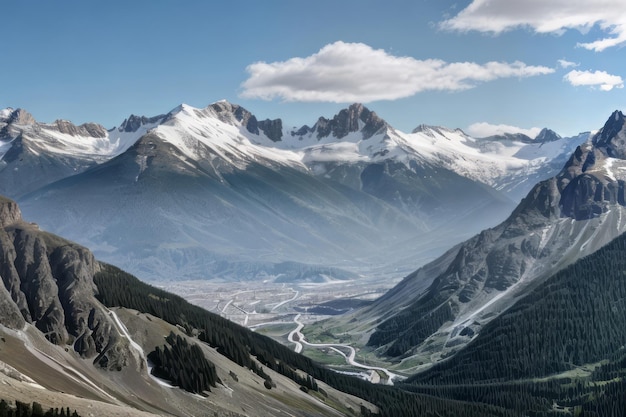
(561, 348)
(184, 365)
(559, 351)
(33, 410)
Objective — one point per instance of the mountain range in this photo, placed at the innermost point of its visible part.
(233, 196)
(441, 308)
(524, 318)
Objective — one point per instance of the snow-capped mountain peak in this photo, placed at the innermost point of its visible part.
(16, 117)
(496, 161)
(354, 135)
(222, 133)
(5, 114)
(547, 135)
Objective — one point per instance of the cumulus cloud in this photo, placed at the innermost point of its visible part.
(554, 16)
(567, 64)
(345, 72)
(483, 130)
(600, 79)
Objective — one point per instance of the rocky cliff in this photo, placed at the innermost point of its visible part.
(48, 282)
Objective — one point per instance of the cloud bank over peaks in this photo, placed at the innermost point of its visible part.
(554, 16)
(355, 72)
(484, 129)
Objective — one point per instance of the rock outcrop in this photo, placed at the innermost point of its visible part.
(48, 282)
(133, 123)
(87, 129)
(353, 119)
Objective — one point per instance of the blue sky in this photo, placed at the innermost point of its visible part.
(477, 65)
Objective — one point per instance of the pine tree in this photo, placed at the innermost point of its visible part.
(4, 408)
(37, 410)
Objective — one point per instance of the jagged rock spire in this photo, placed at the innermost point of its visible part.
(612, 138)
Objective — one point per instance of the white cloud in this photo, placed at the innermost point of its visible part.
(554, 16)
(484, 129)
(346, 72)
(602, 79)
(567, 64)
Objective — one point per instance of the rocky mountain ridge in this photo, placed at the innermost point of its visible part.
(34, 154)
(354, 134)
(229, 202)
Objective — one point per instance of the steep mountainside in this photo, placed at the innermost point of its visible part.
(575, 317)
(60, 345)
(561, 346)
(441, 307)
(199, 195)
(48, 283)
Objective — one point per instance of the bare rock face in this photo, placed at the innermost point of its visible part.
(48, 282)
(587, 185)
(612, 138)
(353, 119)
(133, 123)
(88, 129)
(40, 289)
(14, 307)
(231, 113)
(547, 135)
(273, 129)
(9, 212)
(21, 117)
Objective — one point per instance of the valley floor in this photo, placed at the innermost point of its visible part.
(281, 311)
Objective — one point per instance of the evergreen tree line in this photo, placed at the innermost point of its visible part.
(184, 365)
(33, 410)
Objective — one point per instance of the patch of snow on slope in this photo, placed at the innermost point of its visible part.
(120, 141)
(608, 165)
(6, 113)
(113, 144)
(487, 160)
